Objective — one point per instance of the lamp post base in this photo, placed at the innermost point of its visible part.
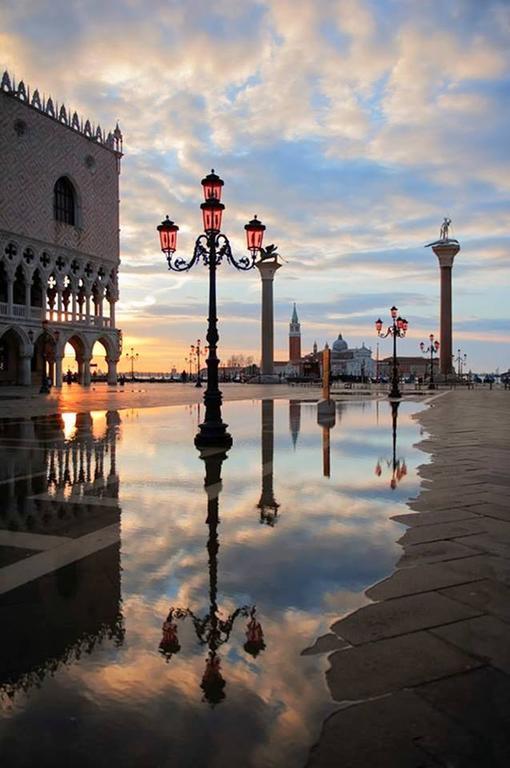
(213, 435)
(395, 394)
(431, 385)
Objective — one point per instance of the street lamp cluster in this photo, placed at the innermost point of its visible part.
(461, 362)
(195, 352)
(433, 348)
(211, 247)
(397, 329)
(132, 356)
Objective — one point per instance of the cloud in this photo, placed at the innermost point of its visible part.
(350, 127)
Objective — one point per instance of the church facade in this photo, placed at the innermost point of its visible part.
(59, 238)
(351, 361)
(345, 360)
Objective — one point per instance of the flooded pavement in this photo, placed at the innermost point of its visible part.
(156, 603)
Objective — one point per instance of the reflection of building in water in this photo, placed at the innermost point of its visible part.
(294, 420)
(267, 504)
(60, 531)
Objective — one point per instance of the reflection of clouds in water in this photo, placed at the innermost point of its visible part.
(282, 707)
(333, 539)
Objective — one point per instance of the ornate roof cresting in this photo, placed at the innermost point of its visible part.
(111, 140)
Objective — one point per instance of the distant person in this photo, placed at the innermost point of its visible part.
(122, 379)
(69, 376)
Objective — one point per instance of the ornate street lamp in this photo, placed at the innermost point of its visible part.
(132, 355)
(212, 630)
(433, 348)
(398, 328)
(211, 248)
(398, 466)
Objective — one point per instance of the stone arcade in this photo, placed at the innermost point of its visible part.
(59, 238)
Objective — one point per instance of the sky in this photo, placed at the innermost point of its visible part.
(351, 127)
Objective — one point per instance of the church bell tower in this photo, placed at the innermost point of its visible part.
(294, 338)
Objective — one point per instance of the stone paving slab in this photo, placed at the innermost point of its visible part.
(421, 578)
(401, 615)
(388, 665)
(416, 519)
(441, 531)
(483, 636)
(398, 731)
(326, 644)
(488, 595)
(480, 701)
(494, 510)
(482, 567)
(487, 543)
(432, 552)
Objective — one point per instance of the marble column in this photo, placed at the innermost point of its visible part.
(112, 370)
(58, 370)
(446, 251)
(267, 269)
(25, 370)
(86, 370)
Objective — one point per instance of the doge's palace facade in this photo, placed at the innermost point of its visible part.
(59, 238)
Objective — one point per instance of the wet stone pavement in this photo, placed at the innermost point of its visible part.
(155, 602)
(294, 611)
(422, 673)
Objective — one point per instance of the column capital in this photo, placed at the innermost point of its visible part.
(267, 268)
(446, 252)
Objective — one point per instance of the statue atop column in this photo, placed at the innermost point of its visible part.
(444, 238)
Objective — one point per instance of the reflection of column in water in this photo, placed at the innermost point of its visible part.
(326, 421)
(294, 420)
(267, 504)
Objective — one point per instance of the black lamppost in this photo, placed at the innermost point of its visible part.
(132, 355)
(433, 349)
(196, 351)
(212, 630)
(398, 328)
(211, 248)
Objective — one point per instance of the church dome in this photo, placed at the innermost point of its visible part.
(339, 345)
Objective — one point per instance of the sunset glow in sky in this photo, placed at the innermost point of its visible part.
(351, 127)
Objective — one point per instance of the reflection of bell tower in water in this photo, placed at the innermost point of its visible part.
(267, 504)
(294, 420)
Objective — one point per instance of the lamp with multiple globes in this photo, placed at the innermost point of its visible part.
(211, 248)
(433, 349)
(397, 329)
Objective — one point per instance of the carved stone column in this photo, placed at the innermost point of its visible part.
(112, 370)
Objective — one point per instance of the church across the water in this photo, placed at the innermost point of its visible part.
(345, 360)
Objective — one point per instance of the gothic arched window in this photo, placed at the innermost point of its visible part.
(64, 201)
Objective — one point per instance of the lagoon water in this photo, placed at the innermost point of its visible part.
(107, 532)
